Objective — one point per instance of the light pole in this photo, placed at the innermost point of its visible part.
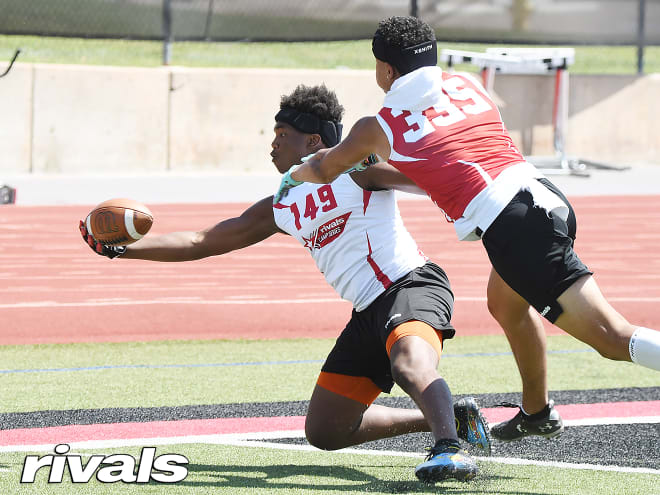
(413, 8)
(167, 31)
(641, 18)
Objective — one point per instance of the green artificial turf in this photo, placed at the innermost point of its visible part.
(249, 470)
(173, 373)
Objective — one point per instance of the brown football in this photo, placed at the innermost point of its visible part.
(119, 222)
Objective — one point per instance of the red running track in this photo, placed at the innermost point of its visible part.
(54, 289)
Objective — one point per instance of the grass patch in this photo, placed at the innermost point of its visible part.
(307, 55)
(249, 470)
(144, 20)
(196, 372)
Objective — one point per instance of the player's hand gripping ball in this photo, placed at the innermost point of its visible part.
(114, 224)
(119, 222)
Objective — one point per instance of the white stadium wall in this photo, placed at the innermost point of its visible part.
(60, 119)
(16, 120)
(611, 117)
(222, 119)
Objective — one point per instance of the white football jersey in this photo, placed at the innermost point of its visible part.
(356, 237)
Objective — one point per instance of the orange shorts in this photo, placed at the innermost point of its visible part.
(363, 389)
(419, 303)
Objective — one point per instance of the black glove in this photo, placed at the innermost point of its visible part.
(97, 247)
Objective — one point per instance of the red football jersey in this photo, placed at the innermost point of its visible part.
(451, 142)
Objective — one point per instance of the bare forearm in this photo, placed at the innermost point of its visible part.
(176, 246)
(254, 225)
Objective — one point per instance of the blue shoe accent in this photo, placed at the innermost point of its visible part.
(446, 460)
(471, 426)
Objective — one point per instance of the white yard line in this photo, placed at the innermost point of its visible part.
(212, 302)
(257, 440)
(96, 303)
(612, 421)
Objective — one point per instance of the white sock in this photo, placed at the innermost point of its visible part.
(644, 348)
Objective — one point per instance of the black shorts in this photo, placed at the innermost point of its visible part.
(571, 220)
(423, 295)
(532, 250)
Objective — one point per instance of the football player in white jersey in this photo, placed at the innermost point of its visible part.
(444, 132)
(402, 301)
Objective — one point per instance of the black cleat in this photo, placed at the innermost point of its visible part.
(546, 423)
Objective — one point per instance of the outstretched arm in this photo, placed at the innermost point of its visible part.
(254, 225)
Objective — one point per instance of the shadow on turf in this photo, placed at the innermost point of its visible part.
(279, 476)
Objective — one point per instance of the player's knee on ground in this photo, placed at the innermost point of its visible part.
(321, 436)
(336, 409)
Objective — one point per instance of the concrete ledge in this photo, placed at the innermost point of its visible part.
(101, 120)
(40, 189)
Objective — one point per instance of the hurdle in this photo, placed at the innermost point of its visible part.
(534, 61)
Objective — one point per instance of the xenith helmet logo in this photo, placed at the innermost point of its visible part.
(166, 468)
(423, 49)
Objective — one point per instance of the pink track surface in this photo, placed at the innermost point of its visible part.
(155, 429)
(56, 290)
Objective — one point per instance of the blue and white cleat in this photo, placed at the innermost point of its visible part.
(471, 426)
(446, 460)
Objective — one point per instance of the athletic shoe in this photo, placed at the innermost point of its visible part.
(446, 460)
(546, 423)
(471, 426)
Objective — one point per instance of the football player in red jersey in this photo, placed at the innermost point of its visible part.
(402, 301)
(444, 132)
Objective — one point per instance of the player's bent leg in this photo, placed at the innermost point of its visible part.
(590, 318)
(335, 421)
(414, 348)
(524, 330)
(414, 363)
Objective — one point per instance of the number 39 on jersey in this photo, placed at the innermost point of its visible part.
(458, 102)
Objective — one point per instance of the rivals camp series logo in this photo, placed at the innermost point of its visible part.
(166, 468)
(327, 232)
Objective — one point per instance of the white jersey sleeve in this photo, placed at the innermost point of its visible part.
(356, 237)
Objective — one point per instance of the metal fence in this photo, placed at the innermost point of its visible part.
(501, 21)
